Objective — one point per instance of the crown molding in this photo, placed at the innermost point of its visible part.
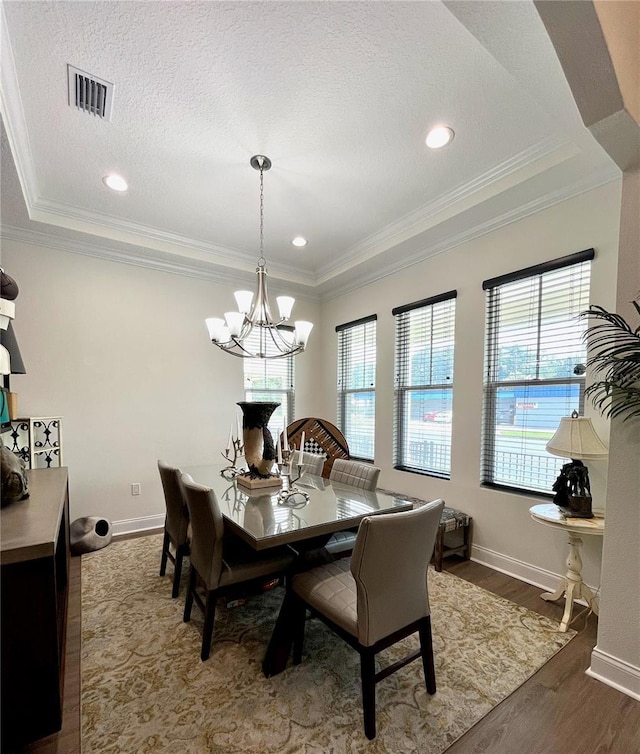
(193, 268)
(163, 241)
(325, 290)
(540, 157)
(607, 175)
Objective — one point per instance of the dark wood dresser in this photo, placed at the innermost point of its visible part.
(34, 551)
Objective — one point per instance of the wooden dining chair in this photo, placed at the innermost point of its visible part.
(222, 563)
(357, 474)
(176, 523)
(377, 598)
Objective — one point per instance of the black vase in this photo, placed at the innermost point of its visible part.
(259, 450)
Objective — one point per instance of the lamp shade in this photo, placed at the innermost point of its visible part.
(576, 438)
(7, 312)
(8, 340)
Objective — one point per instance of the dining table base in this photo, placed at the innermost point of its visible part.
(310, 553)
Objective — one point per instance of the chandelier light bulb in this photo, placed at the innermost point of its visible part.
(285, 305)
(303, 330)
(215, 325)
(235, 320)
(244, 299)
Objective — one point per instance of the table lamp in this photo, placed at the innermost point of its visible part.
(10, 363)
(575, 438)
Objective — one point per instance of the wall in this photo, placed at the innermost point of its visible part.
(504, 534)
(616, 658)
(122, 353)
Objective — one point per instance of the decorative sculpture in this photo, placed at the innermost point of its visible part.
(573, 490)
(259, 450)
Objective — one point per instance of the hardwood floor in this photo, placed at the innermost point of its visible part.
(559, 710)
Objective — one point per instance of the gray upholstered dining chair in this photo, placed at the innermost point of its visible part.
(223, 564)
(312, 463)
(357, 474)
(377, 598)
(176, 523)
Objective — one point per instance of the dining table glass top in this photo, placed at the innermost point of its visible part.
(263, 521)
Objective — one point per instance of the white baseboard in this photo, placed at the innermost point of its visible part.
(606, 668)
(540, 577)
(616, 673)
(132, 525)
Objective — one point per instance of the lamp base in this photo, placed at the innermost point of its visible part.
(12, 404)
(577, 507)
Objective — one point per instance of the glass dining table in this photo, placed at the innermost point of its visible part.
(306, 522)
(263, 521)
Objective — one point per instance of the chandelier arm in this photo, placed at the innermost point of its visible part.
(235, 348)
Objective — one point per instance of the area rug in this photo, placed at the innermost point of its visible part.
(144, 688)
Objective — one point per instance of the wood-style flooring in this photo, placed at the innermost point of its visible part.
(559, 710)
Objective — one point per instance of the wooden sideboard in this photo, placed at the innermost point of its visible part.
(34, 557)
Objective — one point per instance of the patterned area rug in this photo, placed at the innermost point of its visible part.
(144, 688)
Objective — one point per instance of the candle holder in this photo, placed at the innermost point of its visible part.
(231, 455)
(290, 495)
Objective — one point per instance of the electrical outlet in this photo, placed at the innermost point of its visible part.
(135, 489)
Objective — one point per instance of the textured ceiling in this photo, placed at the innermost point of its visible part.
(339, 95)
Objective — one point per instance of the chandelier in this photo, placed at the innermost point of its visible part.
(236, 333)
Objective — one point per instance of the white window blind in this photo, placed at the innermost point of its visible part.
(425, 337)
(357, 385)
(534, 368)
(270, 380)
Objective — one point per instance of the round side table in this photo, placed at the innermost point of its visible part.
(572, 586)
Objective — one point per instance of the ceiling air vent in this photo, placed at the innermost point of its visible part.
(89, 93)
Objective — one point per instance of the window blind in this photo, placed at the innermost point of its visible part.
(534, 368)
(271, 380)
(425, 339)
(356, 385)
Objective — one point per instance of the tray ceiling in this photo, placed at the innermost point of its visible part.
(340, 96)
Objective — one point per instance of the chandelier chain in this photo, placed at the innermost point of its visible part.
(262, 261)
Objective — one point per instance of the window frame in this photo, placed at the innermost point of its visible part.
(403, 362)
(491, 387)
(344, 360)
(275, 365)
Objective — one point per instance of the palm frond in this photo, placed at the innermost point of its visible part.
(615, 360)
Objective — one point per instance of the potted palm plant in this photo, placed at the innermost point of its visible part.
(615, 360)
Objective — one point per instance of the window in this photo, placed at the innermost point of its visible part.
(534, 368)
(424, 385)
(357, 385)
(270, 380)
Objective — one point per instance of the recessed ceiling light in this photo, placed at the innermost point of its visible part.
(115, 182)
(439, 137)
(299, 241)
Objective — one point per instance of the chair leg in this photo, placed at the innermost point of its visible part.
(165, 551)
(439, 548)
(177, 573)
(426, 647)
(368, 677)
(188, 603)
(209, 618)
